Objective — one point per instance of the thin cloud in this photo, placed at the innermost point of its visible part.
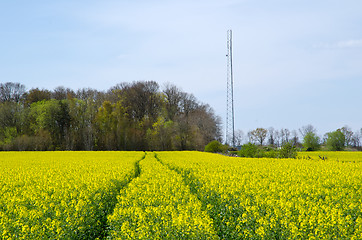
(353, 43)
(350, 44)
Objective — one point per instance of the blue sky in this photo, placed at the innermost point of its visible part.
(295, 62)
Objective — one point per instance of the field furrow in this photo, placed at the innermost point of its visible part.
(158, 205)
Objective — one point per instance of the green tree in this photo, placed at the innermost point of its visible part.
(114, 129)
(160, 136)
(52, 116)
(106, 127)
(13, 123)
(129, 116)
(81, 134)
(336, 140)
(7, 134)
(311, 142)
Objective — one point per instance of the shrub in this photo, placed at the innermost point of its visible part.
(215, 147)
(271, 154)
(288, 151)
(249, 150)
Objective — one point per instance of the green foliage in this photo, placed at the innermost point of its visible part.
(270, 153)
(39, 142)
(7, 135)
(336, 140)
(253, 151)
(288, 151)
(160, 136)
(249, 150)
(311, 142)
(52, 116)
(215, 147)
(130, 116)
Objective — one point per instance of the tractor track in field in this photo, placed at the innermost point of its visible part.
(110, 200)
(194, 184)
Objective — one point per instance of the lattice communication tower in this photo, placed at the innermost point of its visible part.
(230, 132)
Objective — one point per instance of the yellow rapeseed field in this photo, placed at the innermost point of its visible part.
(158, 205)
(179, 195)
(60, 195)
(275, 198)
(332, 156)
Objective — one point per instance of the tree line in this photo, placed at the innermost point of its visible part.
(271, 143)
(129, 116)
(305, 138)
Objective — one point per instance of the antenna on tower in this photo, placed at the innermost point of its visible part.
(230, 135)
